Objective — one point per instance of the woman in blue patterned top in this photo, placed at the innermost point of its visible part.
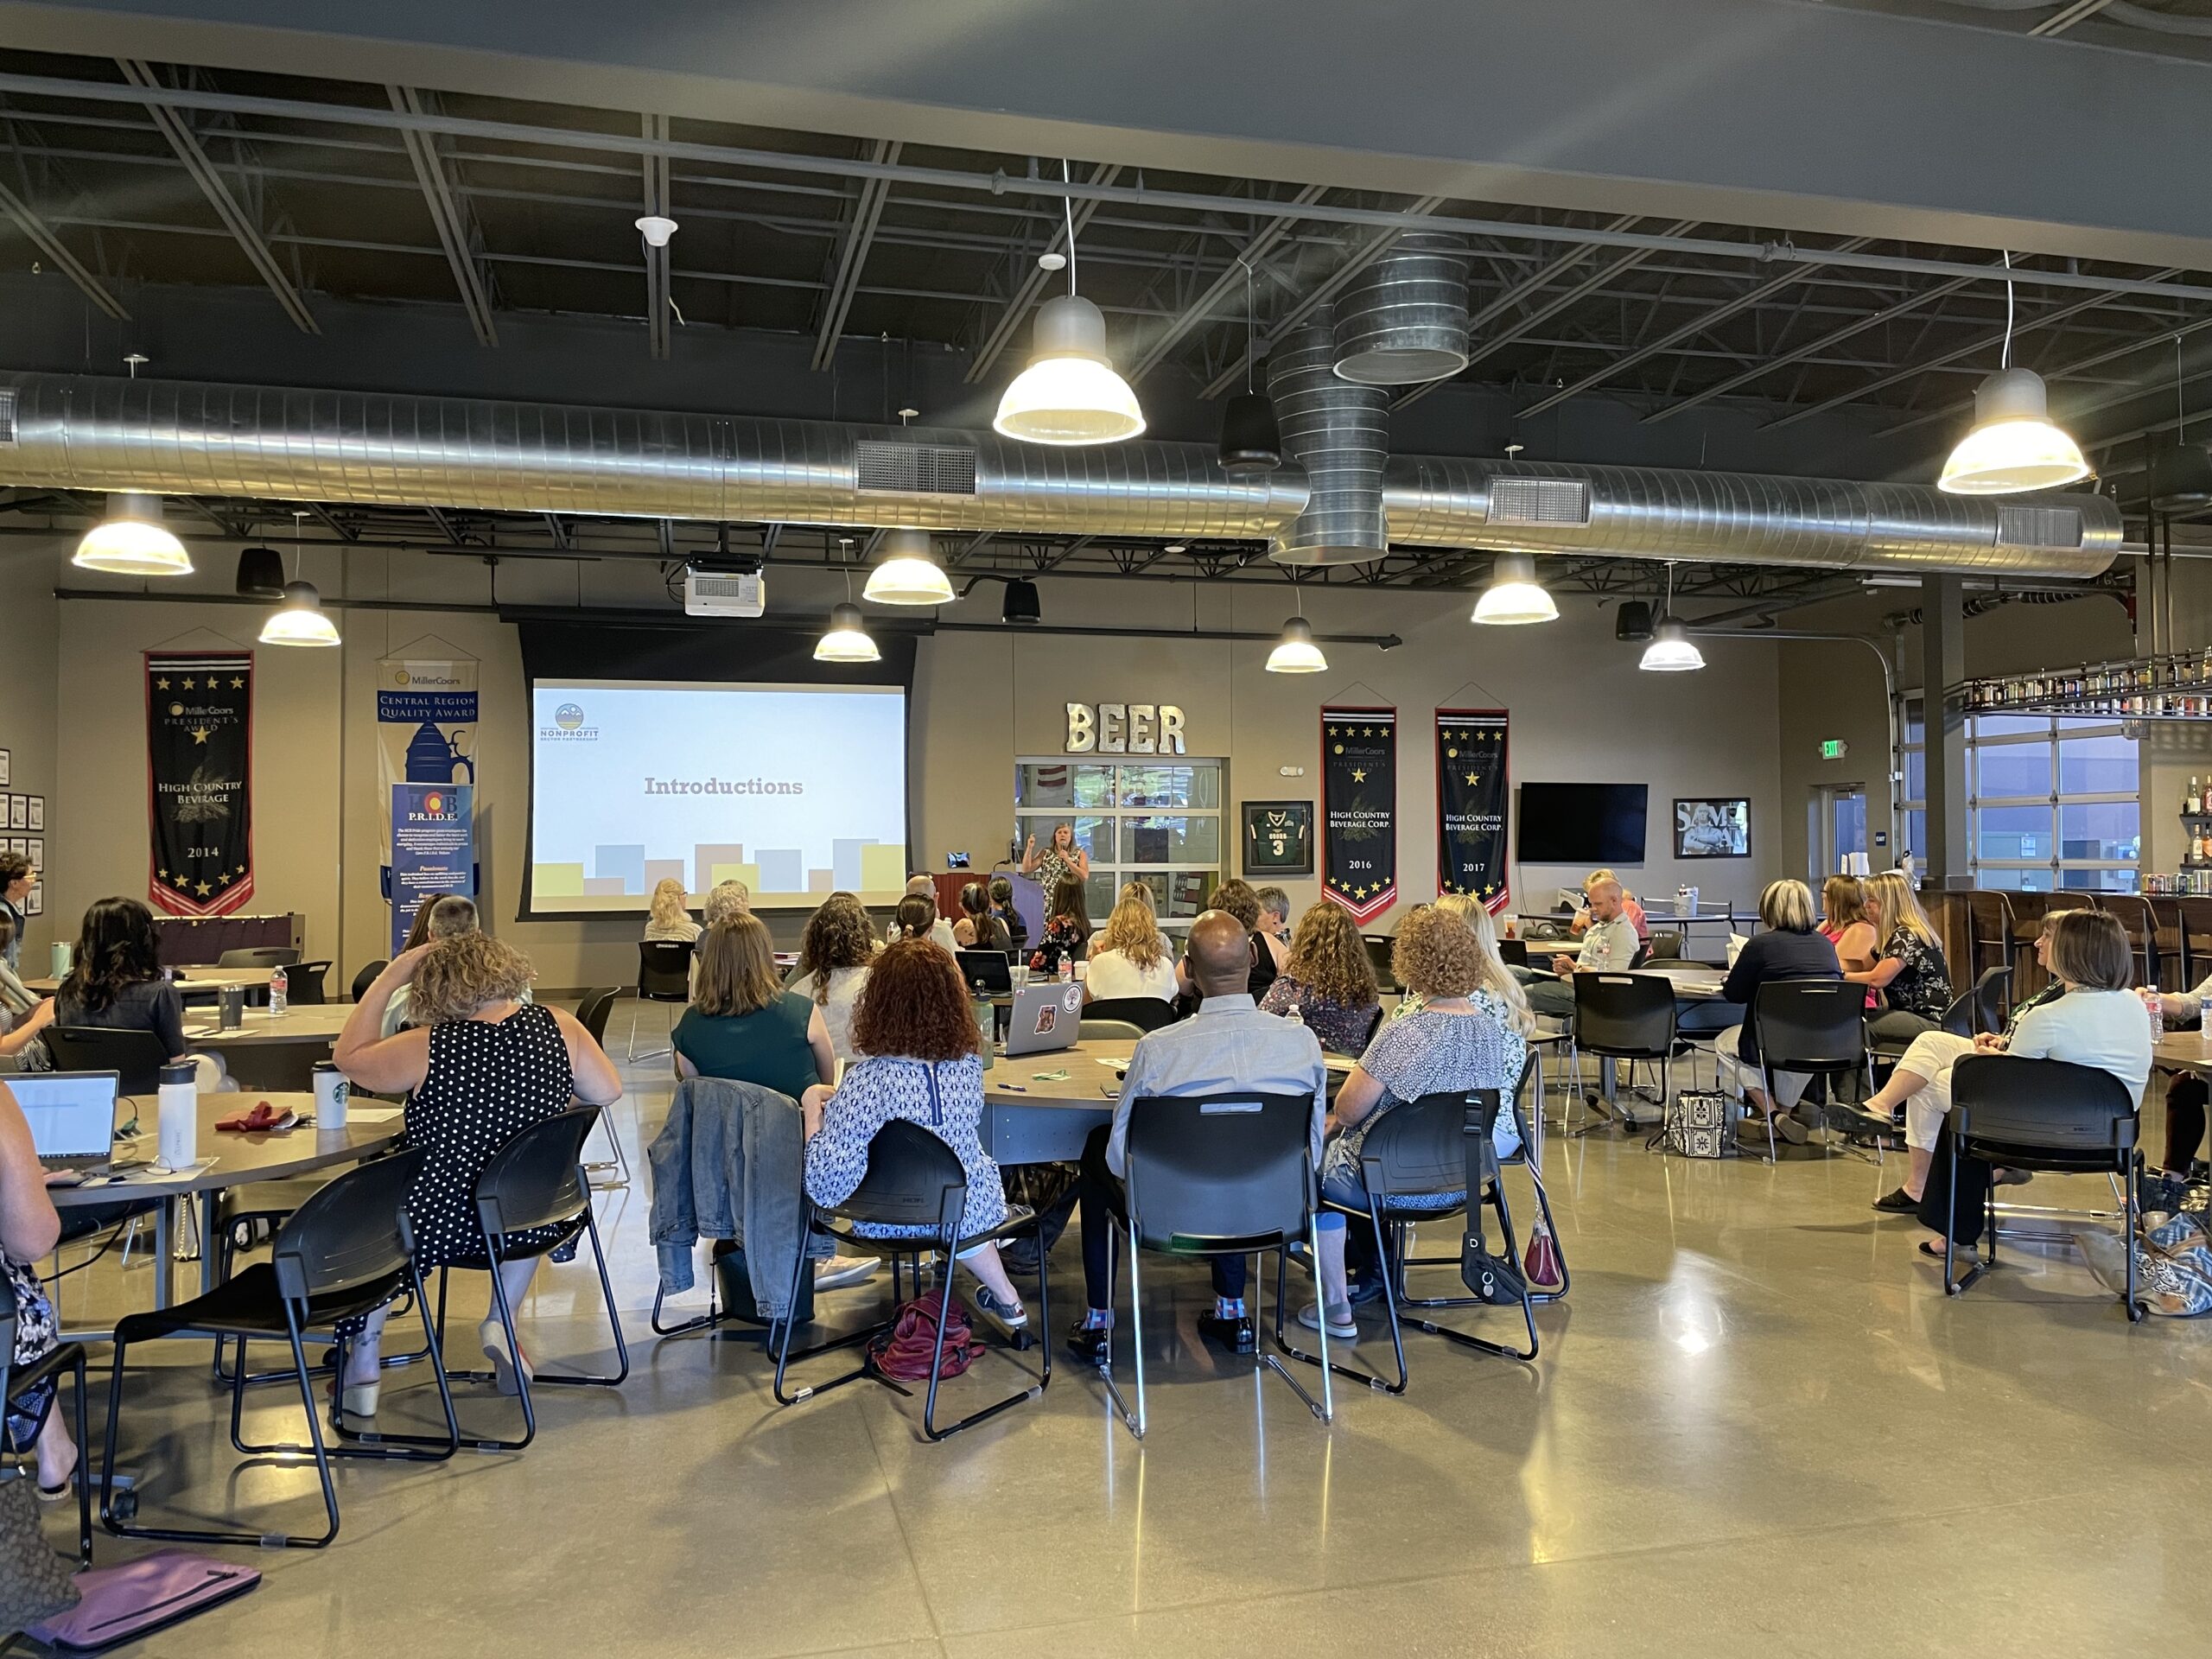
(1471, 1032)
(921, 1060)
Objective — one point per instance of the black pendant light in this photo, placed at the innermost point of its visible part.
(261, 573)
(1250, 442)
(2179, 480)
(1632, 622)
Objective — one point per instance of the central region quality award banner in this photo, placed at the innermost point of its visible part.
(199, 781)
(426, 727)
(1359, 808)
(1471, 804)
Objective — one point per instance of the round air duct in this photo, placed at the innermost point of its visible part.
(1335, 430)
(1403, 320)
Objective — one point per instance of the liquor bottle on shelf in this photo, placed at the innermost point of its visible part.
(2193, 803)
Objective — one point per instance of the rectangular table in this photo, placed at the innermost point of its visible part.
(272, 1050)
(194, 984)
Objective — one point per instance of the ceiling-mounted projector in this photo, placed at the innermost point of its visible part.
(734, 586)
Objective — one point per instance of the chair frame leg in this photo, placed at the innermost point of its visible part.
(1493, 1194)
(1374, 1215)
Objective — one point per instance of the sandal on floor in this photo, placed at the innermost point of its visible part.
(1935, 1252)
(55, 1494)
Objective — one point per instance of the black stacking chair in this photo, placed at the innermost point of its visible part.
(1814, 1026)
(535, 1182)
(1623, 1017)
(348, 1251)
(67, 1356)
(591, 1014)
(267, 958)
(1423, 1160)
(1991, 992)
(1146, 1012)
(663, 975)
(1514, 953)
(305, 985)
(1226, 1174)
(136, 1057)
(2048, 1115)
(913, 1181)
(367, 977)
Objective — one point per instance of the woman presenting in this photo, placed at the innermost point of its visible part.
(1058, 861)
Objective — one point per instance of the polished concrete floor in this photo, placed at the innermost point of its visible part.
(1756, 1427)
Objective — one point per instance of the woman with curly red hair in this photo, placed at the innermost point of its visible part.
(922, 1059)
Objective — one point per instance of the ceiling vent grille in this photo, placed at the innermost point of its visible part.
(1539, 501)
(2020, 525)
(914, 468)
(7, 414)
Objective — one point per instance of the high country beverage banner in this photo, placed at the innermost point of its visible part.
(1359, 808)
(426, 727)
(199, 781)
(1471, 804)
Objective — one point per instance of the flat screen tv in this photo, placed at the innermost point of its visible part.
(1582, 823)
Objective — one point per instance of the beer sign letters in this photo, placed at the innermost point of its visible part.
(1124, 729)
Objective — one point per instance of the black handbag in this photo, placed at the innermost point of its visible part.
(1495, 1279)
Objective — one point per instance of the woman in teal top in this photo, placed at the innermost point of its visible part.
(743, 1024)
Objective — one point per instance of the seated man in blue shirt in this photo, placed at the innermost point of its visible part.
(1228, 1045)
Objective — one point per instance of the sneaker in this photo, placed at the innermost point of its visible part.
(1340, 1320)
(835, 1272)
(1791, 1130)
(1233, 1333)
(1899, 1203)
(1009, 1317)
(1088, 1342)
(1360, 1292)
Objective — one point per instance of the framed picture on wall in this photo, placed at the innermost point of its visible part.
(38, 811)
(7, 768)
(34, 850)
(1278, 838)
(34, 902)
(1713, 828)
(19, 812)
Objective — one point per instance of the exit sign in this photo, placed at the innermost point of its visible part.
(1834, 748)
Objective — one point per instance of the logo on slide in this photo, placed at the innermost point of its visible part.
(569, 725)
(569, 716)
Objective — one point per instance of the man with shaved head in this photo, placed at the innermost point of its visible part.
(1228, 1044)
(1609, 946)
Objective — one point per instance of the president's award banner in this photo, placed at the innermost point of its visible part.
(1471, 804)
(426, 726)
(1359, 808)
(199, 781)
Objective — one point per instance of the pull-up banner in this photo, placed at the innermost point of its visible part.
(1471, 804)
(199, 781)
(1359, 808)
(426, 726)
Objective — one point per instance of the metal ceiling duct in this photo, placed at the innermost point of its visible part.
(379, 449)
(1335, 430)
(1649, 512)
(97, 434)
(1403, 320)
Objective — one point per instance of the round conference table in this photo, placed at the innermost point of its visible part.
(271, 1051)
(193, 983)
(226, 1160)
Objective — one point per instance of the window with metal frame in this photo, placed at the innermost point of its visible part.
(1154, 821)
(2052, 801)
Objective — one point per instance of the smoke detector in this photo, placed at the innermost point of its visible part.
(1051, 262)
(656, 229)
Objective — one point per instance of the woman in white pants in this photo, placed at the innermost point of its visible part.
(1922, 1081)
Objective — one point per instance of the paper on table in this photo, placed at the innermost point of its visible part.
(372, 1114)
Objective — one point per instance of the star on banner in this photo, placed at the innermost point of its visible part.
(1473, 779)
(1491, 889)
(201, 734)
(204, 889)
(179, 883)
(1366, 731)
(187, 684)
(237, 684)
(1359, 775)
(160, 685)
(223, 881)
(1332, 731)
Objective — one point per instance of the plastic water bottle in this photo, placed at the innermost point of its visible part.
(279, 994)
(2156, 1009)
(2204, 1014)
(1067, 967)
(1295, 1016)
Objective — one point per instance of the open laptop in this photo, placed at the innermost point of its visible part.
(986, 971)
(71, 1114)
(1045, 1016)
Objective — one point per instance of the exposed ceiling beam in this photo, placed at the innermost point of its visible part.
(43, 239)
(655, 168)
(174, 128)
(866, 210)
(2079, 11)
(1365, 255)
(1033, 281)
(1705, 317)
(1985, 342)
(450, 215)
(1812, 349)
(1202, 308)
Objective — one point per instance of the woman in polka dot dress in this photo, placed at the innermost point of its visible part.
(482, 1066)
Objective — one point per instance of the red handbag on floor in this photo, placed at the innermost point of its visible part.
(902, 1353)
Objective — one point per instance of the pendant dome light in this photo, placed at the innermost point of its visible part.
(1295, 652)
(1671, 650)
(846, 639)
(908, 575)
(1250, 440)
(300, 621)
(2013, 445)
(1071, 393)
(131, 541)
(1515, 597)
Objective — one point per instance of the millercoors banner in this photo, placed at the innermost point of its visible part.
(426, 727)
(199, 781)
(1359, 808)
(1471, 804)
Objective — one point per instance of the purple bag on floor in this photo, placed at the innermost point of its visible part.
(135, 1598)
